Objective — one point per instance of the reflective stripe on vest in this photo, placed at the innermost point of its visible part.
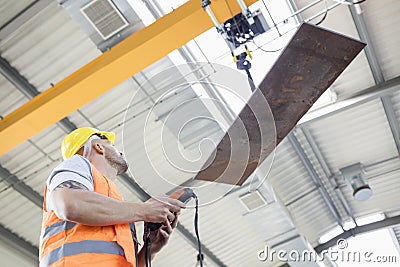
(86, 246)
(56, 228)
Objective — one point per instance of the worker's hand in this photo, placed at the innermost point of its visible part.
(162, 209)
(160, 237)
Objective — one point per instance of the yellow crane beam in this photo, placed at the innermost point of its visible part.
(111, 68)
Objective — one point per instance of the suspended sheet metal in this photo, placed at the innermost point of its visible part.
(313, 59)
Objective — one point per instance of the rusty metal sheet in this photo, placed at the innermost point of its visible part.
(309, 64)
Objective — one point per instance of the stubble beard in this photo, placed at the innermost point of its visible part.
(116, 161)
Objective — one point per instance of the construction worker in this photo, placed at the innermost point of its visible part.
(85, 220)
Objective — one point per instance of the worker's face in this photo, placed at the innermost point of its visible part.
(115, 158)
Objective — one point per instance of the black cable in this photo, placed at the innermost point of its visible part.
(147, 249)
(276, 27)
(267, 51)
(196, 229)
(350, 2)
(354, 3)
(358, 2)
(251, 81)
(147, 230)
(325, 15)
(323, 18)
(149, 252)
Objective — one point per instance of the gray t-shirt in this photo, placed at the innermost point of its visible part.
(77, 169)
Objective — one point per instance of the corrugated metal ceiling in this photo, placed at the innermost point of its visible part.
(9, 9)
(44, 50)
(360, 135)
(381, 20)
(11, 99)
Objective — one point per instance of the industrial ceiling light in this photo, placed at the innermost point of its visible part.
(371, 218)
(332, 233)
(354, 176)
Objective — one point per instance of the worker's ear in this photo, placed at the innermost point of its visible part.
(98, 147)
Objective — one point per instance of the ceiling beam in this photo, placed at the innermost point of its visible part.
(386, 223)
(19, 186)
(9, 238)
(362, 30)
(13, 241)
(23, 17)
(374, 92)
(26, 88)
(111, 68)
(392, 120)
(376, 70)
(189, 57)
(293, 7)
(315, 177)
(328, 174)
(14, 77)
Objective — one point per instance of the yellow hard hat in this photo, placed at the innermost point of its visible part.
(75, 140)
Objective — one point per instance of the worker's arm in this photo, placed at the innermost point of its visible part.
(159, 239)
(73, 202)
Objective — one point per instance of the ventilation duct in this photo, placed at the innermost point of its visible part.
(104, 17)
(253, 200)
(106, 22)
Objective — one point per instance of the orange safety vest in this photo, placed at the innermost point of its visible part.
(66, 243)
